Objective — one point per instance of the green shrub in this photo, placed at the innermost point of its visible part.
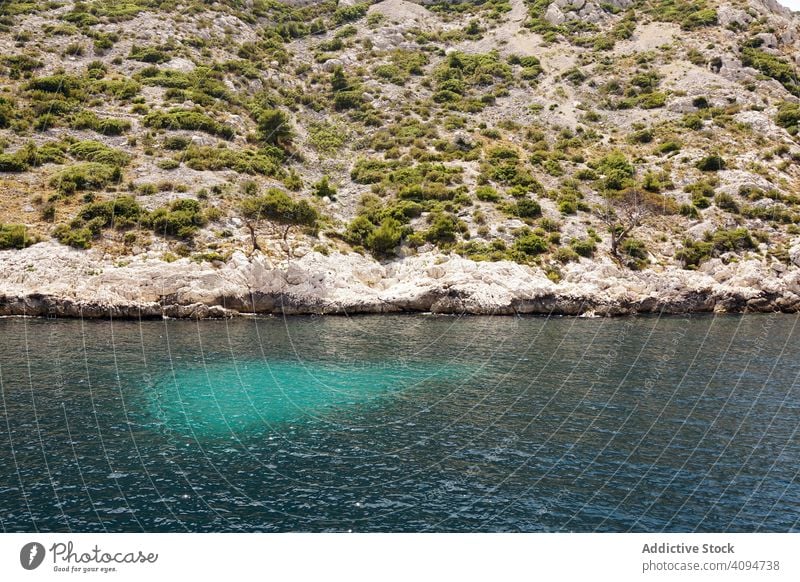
(122, 212)
(487, 194)
(712, 163)
(245, 161)
(346, 14)
(566, 255)
(146, 54)
(652, 100)
(274, 126)
(772, 66)
(79, 238)
(66, 85)
(187, 119)
(176, 142)
(323, 188)
(13, 163)
(278, 207)
(617, 172)
(85, 176)
(14, 236)
(344, 100)
(788, 115)
(530, 244)
(726, 202)
(693, 121)
(641, 136)
(95, 151)
(693, 253)
(635, 252)
(526, 208)
(102, 125)
(585, 247)
(181, 218)
(700, 18)
(122, 89)
(325, 137)
(403, 64)
(668, 147)
(459, 75)
(688, 210)
(443, 228)
(386, 237)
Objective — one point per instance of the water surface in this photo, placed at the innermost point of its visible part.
(401, 423)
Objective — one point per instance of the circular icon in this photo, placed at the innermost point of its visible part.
(31, 555)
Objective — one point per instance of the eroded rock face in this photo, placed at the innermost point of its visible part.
(51, 280)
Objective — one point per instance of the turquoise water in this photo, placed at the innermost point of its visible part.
(401, 423)
(245, 396)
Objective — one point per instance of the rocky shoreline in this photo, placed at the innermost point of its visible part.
(49, 280)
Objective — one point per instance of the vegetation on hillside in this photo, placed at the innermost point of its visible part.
(202, 128)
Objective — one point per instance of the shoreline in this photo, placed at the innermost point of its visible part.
(49, 280)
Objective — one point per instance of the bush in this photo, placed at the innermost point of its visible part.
(326, 137)
(246, 161)
(585, 247)
(668, 147)
(726, 202)
(278, 207)
(95, 151)
(617, 171)
(386, 237)
(694, 253)
(85, 176)
(773, 67)
(14, 236)
(122, 212)
(712, 163)
(641, 136)
(350, 13)
(693, 121)
(187, 119)
(66, 85)
(788, 115)
(102, 125)
(443, 229)
(274, 126)
(13, 163)
(176, 142)
(344, 100)
(181, 219)
(530, 244)
(404, 64)
(652, 100)
(148, 54)
(566, 255)
(79, 238)
(635, 249)
(487, 194)
(700, 18)
(526, 208)
(323, 188)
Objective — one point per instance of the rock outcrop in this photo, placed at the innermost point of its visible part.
(51, 280)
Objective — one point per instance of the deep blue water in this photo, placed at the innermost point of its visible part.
(401, 423)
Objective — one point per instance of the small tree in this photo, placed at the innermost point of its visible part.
(280, 211)
(622, 213)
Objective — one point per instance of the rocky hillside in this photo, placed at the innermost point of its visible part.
(625, 153)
